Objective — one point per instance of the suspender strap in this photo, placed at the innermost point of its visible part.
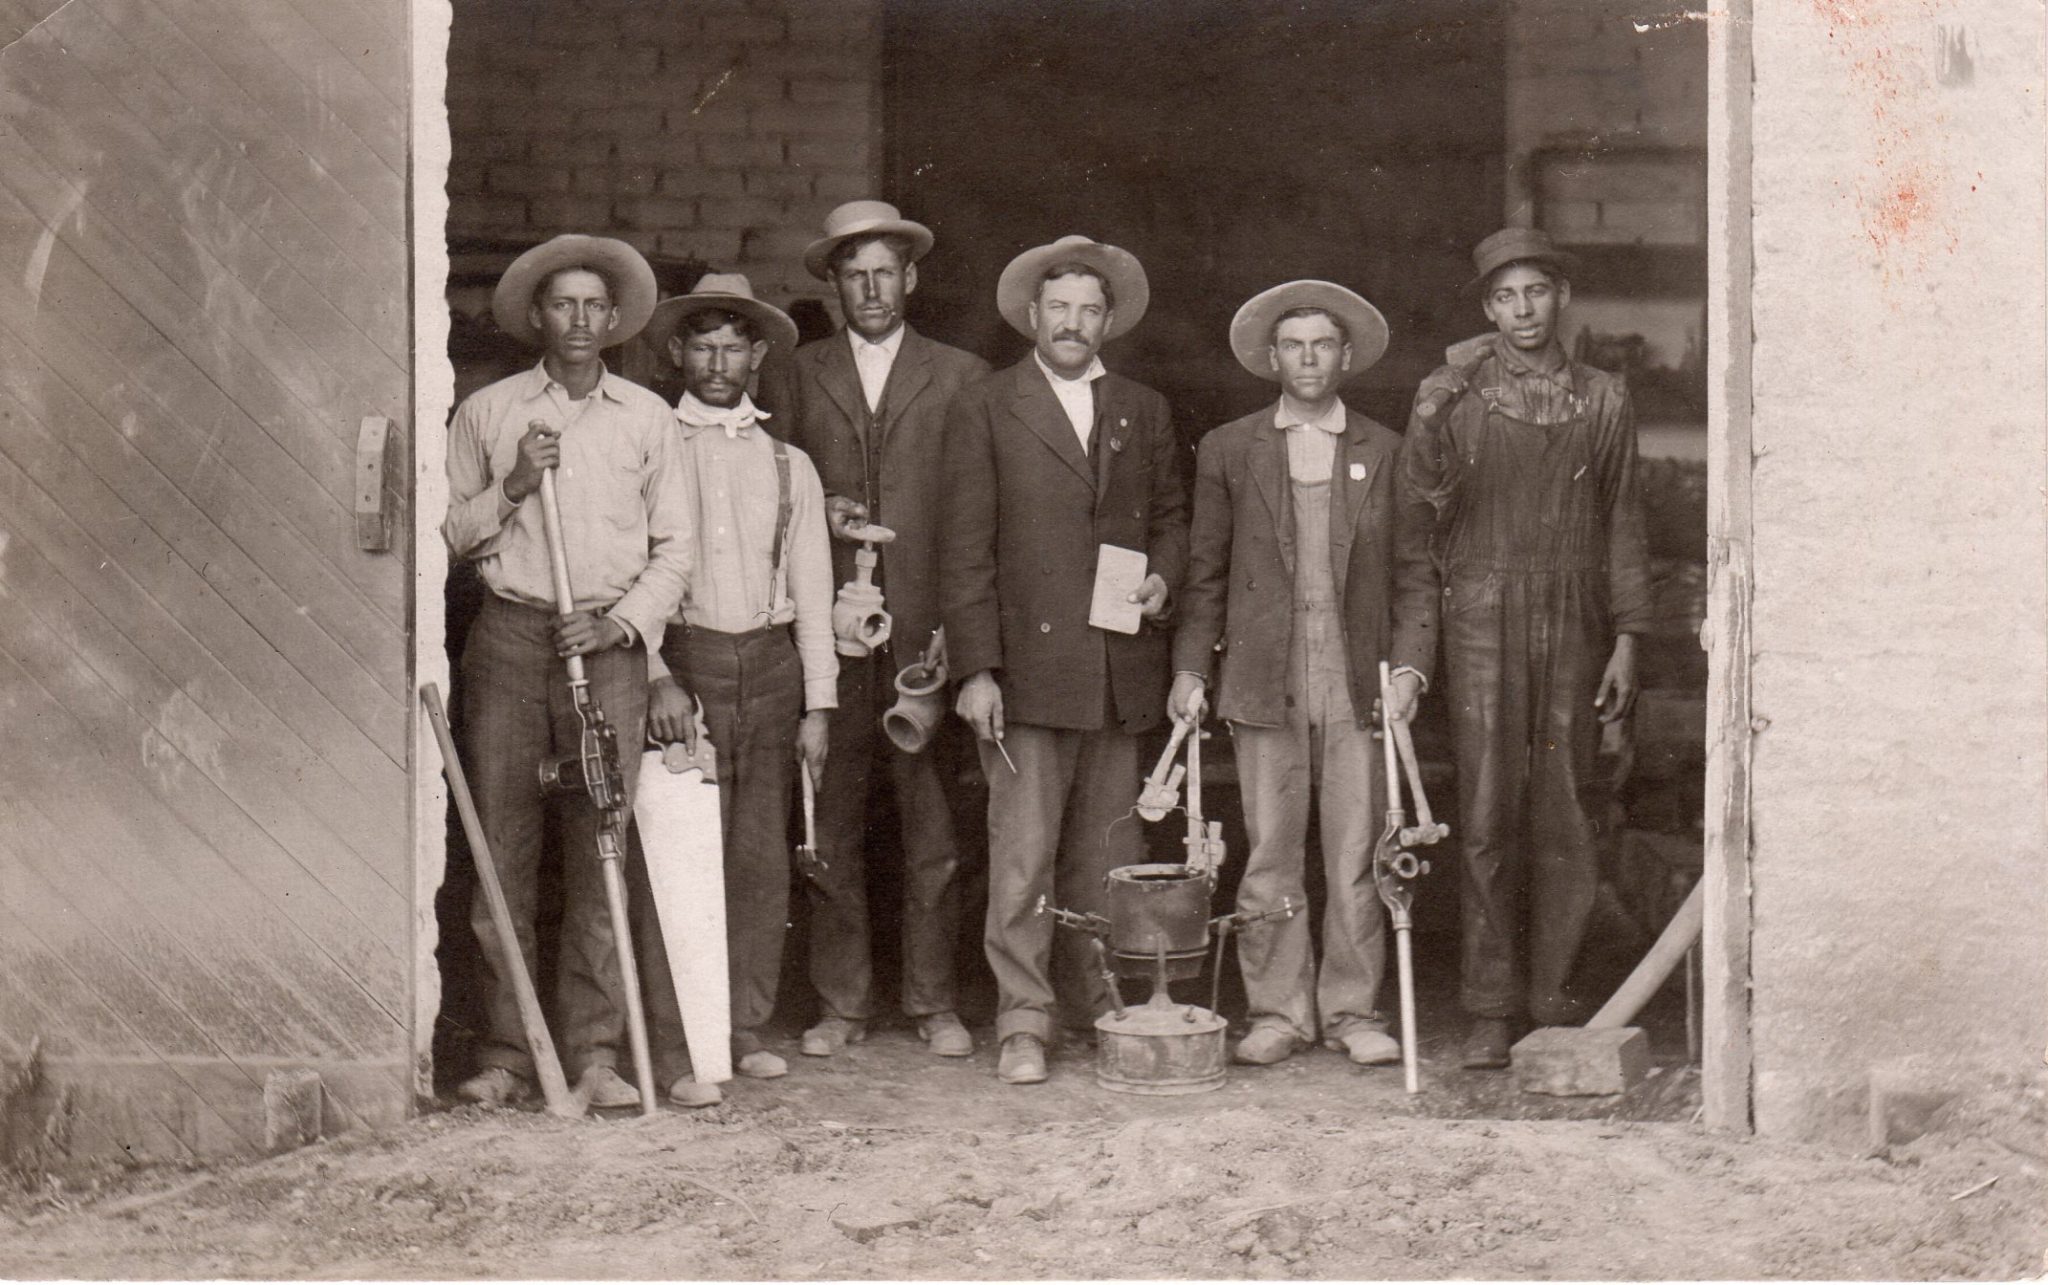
(783, 509)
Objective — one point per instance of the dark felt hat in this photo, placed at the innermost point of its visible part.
(1517, 245)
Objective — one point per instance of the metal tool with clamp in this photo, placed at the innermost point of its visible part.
(593, 772)
(1395, 866)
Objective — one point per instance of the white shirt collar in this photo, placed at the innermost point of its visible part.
(1094, 372)
(865, 347)
(543, 381)
(1292, 414)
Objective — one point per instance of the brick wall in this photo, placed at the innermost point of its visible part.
(716, 130)
(1600, 74)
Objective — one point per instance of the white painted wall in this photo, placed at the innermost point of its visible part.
(1900, 628)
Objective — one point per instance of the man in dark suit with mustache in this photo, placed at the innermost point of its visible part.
(1046, 463)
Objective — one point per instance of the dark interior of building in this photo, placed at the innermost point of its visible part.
(1240, 145)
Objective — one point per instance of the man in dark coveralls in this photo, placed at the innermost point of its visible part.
(1529, 460)
(870, 411)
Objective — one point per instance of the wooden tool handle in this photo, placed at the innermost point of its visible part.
(554, 1086)
(558, 558)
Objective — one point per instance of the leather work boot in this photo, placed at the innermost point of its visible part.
(600, 1086)
(833, 1035)
(686, 1092)
(1366, 1045)
(1486, 1044)
(1022, 1060)
(946, 1036)
(751, 1058)
(495, 1086)
(1264, 1046)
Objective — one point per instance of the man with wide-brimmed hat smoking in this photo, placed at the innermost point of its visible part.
(870, 410)
(1528, 460)
(625, 514)
(1295, 564)
(752, 642)
(1047, 463)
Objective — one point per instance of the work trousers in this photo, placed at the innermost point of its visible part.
(841, 964)
(751, 687)
(1057, 826)
(1524, 653)
(517, 711)
(1323, 754)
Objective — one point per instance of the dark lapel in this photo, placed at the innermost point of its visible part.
(908, 375)
(1040, 411)
(1112, 431)
(1268, 462)
(841, 379)
(1355, 465)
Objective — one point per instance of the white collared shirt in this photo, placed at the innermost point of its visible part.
(1077, 396)
(873, 361)
(1311, 440)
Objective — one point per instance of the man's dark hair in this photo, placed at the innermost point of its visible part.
(547, 282)
(1310, 310)
(702, 321)
(896, 241)
(1076, 268)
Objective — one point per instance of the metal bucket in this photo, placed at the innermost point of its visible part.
(1159, 1049)
(1155, 907)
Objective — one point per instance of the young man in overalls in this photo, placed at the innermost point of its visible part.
(752, 641)
(1294, 563)
(1529, 461)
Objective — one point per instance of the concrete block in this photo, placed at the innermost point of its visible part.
(291, 1109)
(742, 211)
(702, 180)
(1571, 1061)
(570, 213)
(736, 152)
(658, 212)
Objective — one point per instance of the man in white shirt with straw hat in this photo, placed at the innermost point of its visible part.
(752, 641)
(627, 526)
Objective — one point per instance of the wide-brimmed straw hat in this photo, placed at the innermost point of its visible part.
(620, 263)
(865, 218)
(1251, 330)
(1518, 245)
(1018, 287)
(729, 291)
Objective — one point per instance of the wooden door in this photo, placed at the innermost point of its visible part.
(204, 841)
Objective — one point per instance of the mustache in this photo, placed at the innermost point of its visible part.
(1074, 335)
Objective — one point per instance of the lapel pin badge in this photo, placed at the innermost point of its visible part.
(1357, 472)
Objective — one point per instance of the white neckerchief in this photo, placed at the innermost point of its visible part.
(737, 421)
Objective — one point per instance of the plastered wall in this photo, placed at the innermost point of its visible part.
(1898, 899)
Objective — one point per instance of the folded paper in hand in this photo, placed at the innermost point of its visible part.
(1118, 573)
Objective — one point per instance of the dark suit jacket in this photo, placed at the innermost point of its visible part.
(1240, 588)
(828, 420)
(1024, 510)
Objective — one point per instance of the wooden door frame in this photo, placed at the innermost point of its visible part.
(433, 399)
(1727, 1066)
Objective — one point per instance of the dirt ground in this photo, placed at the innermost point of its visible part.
(889, 1164)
